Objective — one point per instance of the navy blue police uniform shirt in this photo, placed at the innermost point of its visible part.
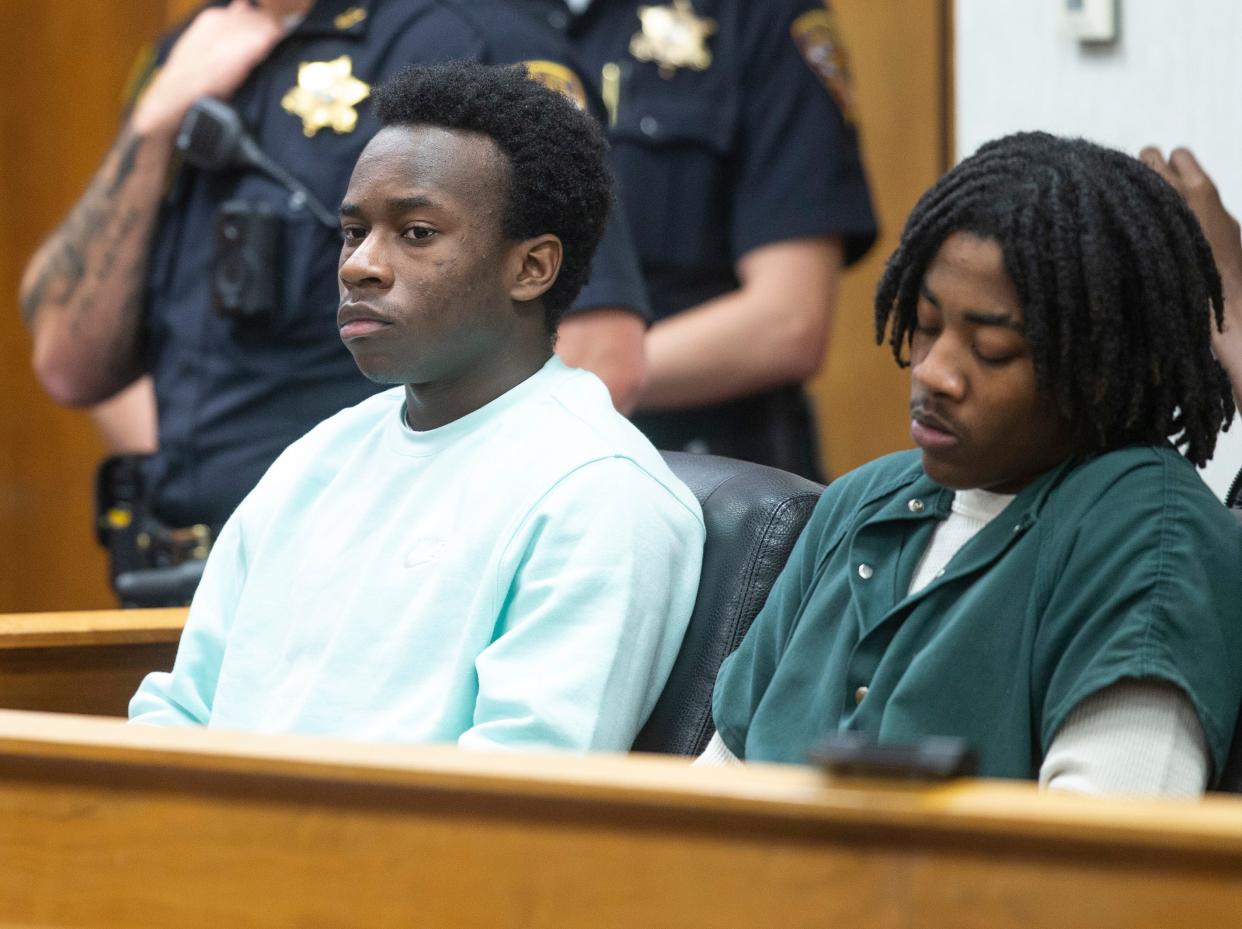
(731, 130)
(232, 394)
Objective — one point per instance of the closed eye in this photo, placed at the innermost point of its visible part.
(997, 346)
(994, 360)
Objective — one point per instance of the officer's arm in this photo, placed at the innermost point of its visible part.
(127, 422)
(772, 330)
(81, 292)
(609, 343)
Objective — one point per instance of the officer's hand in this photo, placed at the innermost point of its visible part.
(212, 58)
(1183, 171)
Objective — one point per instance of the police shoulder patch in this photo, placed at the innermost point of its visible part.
(557, 77)
(818, 39)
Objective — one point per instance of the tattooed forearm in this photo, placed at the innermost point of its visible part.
(32, 297)
(95, 220)
(63, 269)
(114, 238)
(128, 145)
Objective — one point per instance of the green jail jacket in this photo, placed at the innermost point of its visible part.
(1122, 566)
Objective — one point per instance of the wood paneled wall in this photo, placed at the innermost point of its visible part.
(900, 51)
(63, 66)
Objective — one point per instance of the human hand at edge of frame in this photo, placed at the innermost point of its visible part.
(1183, 171)
(212, 58)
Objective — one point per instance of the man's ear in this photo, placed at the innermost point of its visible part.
(536, 262)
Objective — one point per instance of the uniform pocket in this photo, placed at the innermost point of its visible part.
(700, 120)
(671, 156)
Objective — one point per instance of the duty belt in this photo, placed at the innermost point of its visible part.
(151, 564)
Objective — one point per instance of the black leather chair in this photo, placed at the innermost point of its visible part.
(1231, 779)
(753, 515)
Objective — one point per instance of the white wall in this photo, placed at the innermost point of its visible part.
(1173, 77)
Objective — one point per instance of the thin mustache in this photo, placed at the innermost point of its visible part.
(920, 412)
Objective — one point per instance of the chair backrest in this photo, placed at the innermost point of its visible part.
(753, 515)
(1231, 778)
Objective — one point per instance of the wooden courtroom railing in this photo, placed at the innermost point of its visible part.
(103, 825)
(89, 662)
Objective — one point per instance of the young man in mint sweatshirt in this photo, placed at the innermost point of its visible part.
(488, 553)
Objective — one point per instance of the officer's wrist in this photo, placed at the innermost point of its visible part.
(154, 117)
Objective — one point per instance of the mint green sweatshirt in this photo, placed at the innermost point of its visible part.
(520, 578)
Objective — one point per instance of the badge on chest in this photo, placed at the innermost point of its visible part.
(326, 96)
(673, 37)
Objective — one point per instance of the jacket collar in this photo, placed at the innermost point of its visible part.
(912, 495)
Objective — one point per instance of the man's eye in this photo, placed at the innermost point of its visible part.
(419, 233)
(993, 360)
(997, 347)
(995, 355)
(352, 235)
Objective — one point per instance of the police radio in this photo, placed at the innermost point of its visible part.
(245, 282)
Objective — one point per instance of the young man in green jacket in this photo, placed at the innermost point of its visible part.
(1046, 576)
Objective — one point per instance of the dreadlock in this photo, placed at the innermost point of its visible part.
(1116, 282)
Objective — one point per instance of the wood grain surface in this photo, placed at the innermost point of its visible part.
(87, 662)
(107, 825)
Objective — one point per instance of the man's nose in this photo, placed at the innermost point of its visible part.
(939, 370)
(366, 265)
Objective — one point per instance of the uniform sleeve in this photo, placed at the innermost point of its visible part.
(151, 57)
(616, 279)
(604, 571)
(183, 696)
(1147, 588)
(514, 34)
(799, 172)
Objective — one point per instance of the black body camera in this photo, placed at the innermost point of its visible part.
(244, 279)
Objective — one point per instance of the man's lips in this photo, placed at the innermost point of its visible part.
(355, 320)
(930, 432)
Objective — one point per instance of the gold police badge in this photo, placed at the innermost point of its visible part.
(325, 96)
(673, 37)
(559, 78)
(818, 39)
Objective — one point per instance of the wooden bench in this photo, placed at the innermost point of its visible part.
(88, 662)
(104, 825)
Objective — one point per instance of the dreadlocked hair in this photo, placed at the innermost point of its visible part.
(1117, 286)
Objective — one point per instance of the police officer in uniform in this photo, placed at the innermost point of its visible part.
(737, 160)
(221, 284)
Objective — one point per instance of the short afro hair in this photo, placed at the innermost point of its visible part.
(559, 181)
(1117, 285)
